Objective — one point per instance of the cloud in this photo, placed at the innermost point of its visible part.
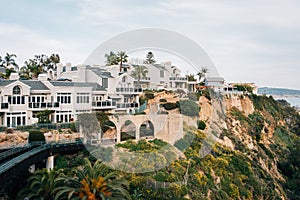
(25, 43)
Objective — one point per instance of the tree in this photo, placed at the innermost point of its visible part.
(191, 77)
(8, 60)
(43, 116)
(111, 59)
(122, 58)
(202, 73)
(52, 61)
(37, 65)
(94, 182)
(150, 58)
(42, 185)
(138, 73)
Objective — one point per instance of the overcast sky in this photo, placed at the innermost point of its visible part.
(257, 40)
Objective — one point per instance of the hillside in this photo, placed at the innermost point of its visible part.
(245, 147)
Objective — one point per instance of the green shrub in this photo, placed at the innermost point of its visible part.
(163, 100)
(201, 125)
(149, 95)
(170, 106)
(9, 130)
(194, 96)
(73, 127)
(36, 136)
(189, 108)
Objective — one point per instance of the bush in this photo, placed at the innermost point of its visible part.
(193, 96)
(170, 106)
(9, 130)
(36, 136)
(149, 95)
(163, 100)
(189, 108)
(73, 127)
(201, 125)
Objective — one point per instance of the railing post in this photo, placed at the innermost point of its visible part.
(50, 163)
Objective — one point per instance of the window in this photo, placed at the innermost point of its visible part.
(83, 98)
(124, 79)
(105, 82)
(162, 73)
(64, 98)
(16, 90)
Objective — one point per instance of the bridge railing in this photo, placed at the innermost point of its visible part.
(11, 163)
(4, 167)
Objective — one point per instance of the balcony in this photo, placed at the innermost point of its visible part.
(178, 79)
(127, 105)
(129, 90)
(144, 79)
(104, 105)
(43, 106)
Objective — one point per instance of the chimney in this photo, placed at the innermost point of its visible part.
(14, 76)
(81, 73)
(68, 67)
(42, 77)
(59, 69)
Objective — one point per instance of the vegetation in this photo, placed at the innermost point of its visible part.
(244, 88)
(150, 58)
(36, 136)
(189, 108)
(202, 73)
(170, 106)
(201, 125)
(138, 73)
(43, 116)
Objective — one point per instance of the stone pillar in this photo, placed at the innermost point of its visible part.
(50, 163)
(31, 169)
(137, 133)
(118, 135)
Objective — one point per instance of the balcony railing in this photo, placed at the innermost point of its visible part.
(104, 104)
(44, 105)
(4, 105)
(129, 90)
(144, 79)
(127, 105)
(178, 79)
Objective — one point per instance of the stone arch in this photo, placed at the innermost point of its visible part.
(108, 130)
(128, 130)
(147, 130)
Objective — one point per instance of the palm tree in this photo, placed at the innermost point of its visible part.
(8, 60)
(202, 73)
(191, 77)
(94, 182)
(122, 58)
(42, 185)
(138, 73)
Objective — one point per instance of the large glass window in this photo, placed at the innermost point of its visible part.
(83, 98)
(64, 98)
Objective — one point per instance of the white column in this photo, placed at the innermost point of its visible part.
(31, 169)
(50, 163)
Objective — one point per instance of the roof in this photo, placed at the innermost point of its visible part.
(33, 84)
(214, 79)
(100, 72)
(94, 86)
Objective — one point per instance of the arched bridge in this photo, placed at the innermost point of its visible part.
(19, 165)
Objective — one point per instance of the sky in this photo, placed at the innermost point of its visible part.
(249, 41)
